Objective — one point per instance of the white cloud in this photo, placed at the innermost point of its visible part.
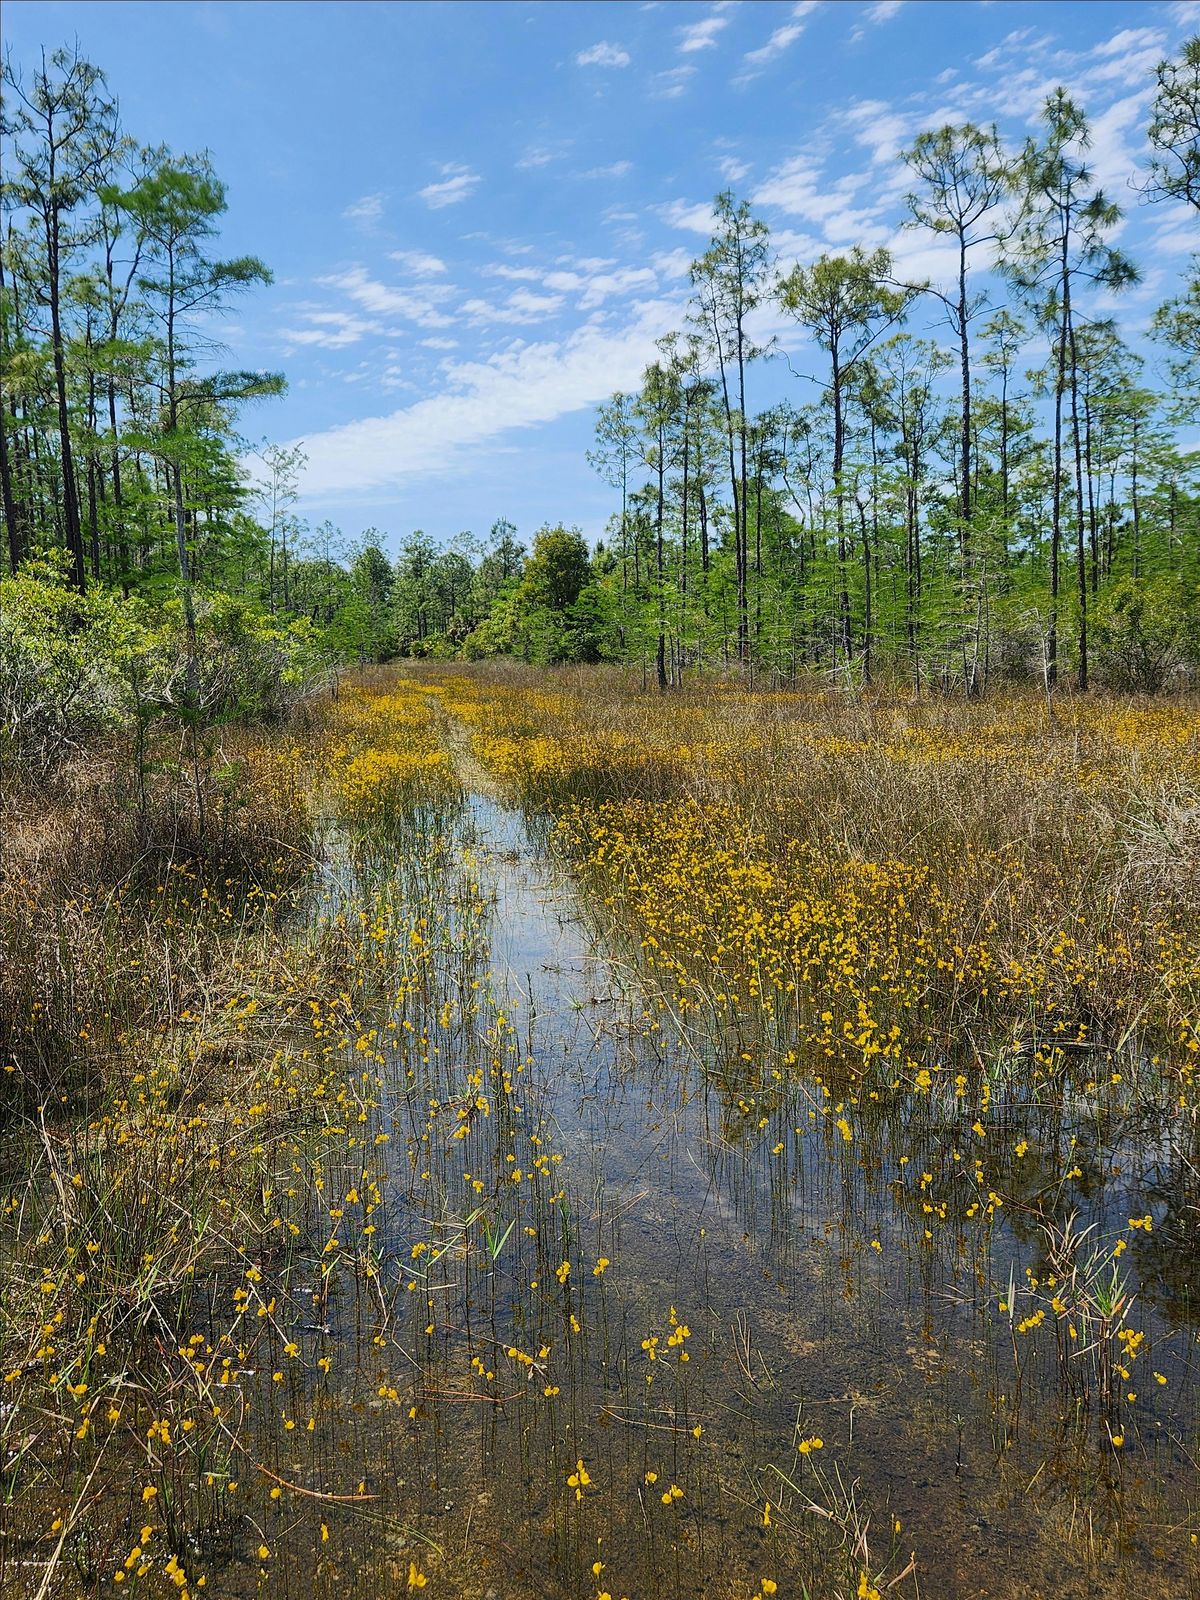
(779, 41)
(625, 280)
(456, 185)
(617, 169)
(882, 131)
(792, 247)
(500, 269)
(1111, 156)
(521, 307)
(435, 343)
(675, 263)
(419, 305)
(528, 304)
(365, 212)
(603, 55)
(684, 214)
(540, 156)
(518, 388)
(731, 169)
(799, 188)
(669, 85)
(882, 11)
(702, 35)
(593, 279)
(329, 330)
(418, 262)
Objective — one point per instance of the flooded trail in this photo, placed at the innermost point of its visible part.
(710, 1345)
(464, 1245)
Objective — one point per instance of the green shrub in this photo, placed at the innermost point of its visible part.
(1145, 631)
(62, 660)
(76, 668)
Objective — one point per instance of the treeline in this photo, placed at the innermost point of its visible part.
(1013, 499)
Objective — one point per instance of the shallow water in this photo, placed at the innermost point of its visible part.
(817, 1304)
(429, 1377)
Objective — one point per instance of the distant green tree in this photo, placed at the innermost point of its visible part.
(847, 303)
(1060, 244)
(548, 624)
(64, 132)
(177, 207)
(728, 282)
(963, 178)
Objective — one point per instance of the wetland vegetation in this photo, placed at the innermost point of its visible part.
(647, 1067)
(616, 1145)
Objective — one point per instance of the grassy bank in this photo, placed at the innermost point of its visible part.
(179, 1010)
(357, 1233)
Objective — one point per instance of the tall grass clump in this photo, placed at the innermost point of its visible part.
(902, 877)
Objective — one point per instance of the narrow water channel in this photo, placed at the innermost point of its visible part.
(633, 1316)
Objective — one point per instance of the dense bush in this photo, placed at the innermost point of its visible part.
(63, 660)
(1146, 632)
(76, 668)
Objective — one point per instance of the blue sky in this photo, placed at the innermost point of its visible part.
(480, 216)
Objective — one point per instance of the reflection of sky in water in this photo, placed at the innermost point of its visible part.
(815, 1302)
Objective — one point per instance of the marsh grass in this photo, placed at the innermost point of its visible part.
(344, 1256)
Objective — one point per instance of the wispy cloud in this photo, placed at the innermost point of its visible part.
(785, 35)
(669, 85)
(520, 387)
(523, 306)
(592, 279)
(328, 330)
(542, 155)
(694, 218)
(702, 35)
(365, 212)
(799, 188)
(616, 169)
(418, 262)
(603, 54)
(882, 11)
(419, 305)
(457, 183)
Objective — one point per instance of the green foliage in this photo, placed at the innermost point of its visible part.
(1146, 631)
(1175, 128)
(63, 658)
(77, 668)
(933, 514)
(556, 571)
